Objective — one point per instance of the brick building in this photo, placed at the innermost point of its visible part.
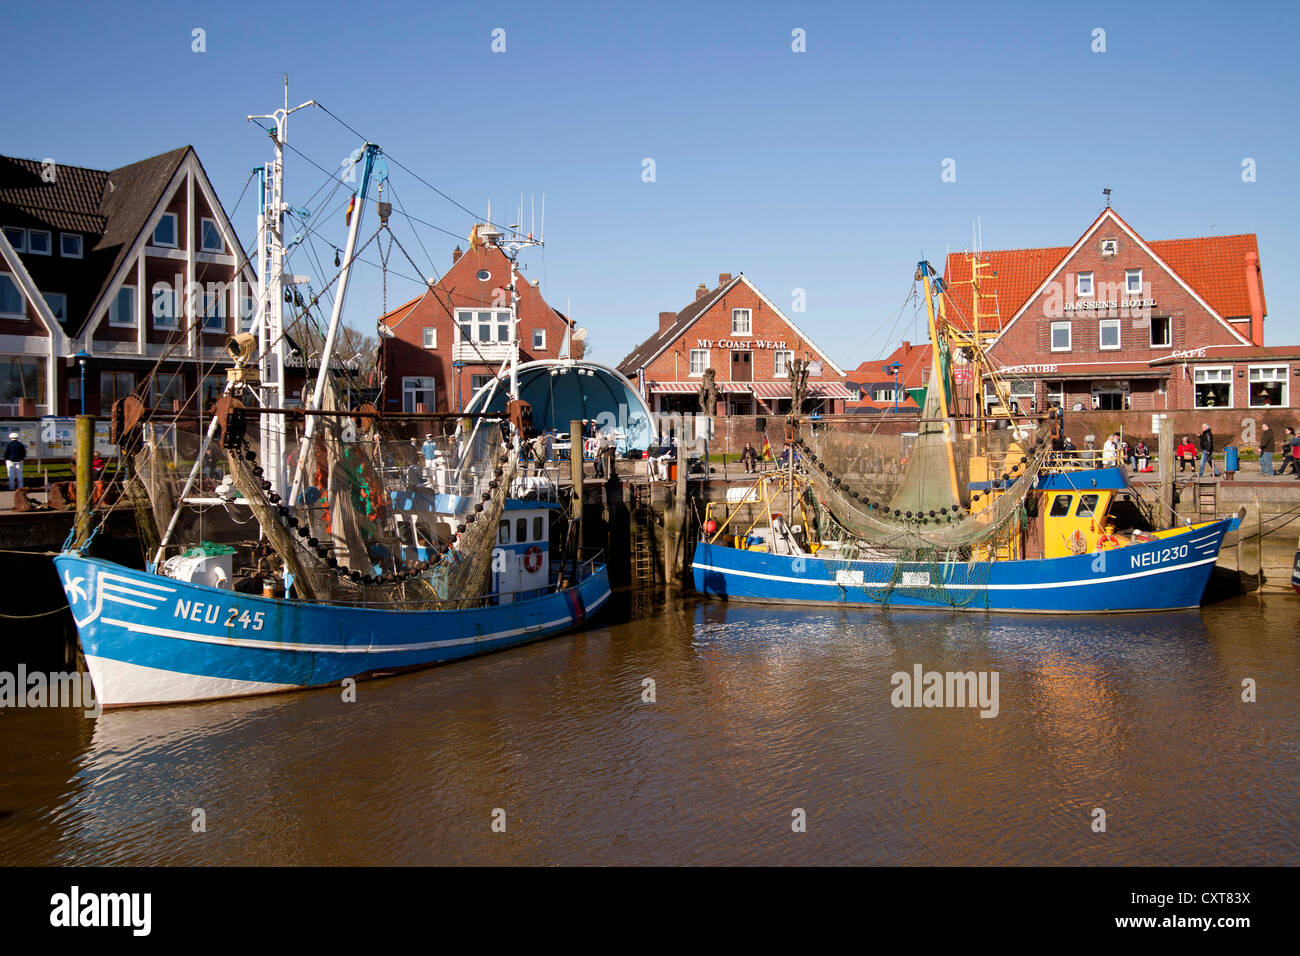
(1118, 323)
(748, 342)
(133, 275)
(882, 384)
(440, 348)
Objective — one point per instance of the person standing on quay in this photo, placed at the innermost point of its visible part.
(1207, 451)
(15, 453)
(1266, 450)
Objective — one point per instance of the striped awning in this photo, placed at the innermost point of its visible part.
(828, 390)
(772, 389)
(690, 388)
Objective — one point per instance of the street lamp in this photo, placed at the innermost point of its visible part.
(81, 361)
(892, 371)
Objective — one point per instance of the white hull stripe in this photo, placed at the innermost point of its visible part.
(138, 684)
(123, 589)
(340, 648)
(1045, 585)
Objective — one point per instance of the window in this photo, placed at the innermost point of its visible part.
(113, 387)
(22, 378)
(1108, 334)
(503, 327)
(1268, 386)
(539, 339)
(1087, 506)
(247, 313)
(164, 306)
(213, 386)
(885, 395)
(1083, 284)
(1109, 396)
(214, 308)
(521, 530)
(1022, 395)
(166, 389)
(121, 311)
(58, 303)
(1214, 387)
(17, 238)
(417, 390)
(503, 532)
(485, 326)
(1060, 336)
(164, 234)
(1161, 336)
(781, 360)
(12, 303)
(479, 381)
(699, 361)
(741, 322)
(430, 338)
(1133, 281)
(70, 245)
(1055, 394)
(537, 528)
(484, 275)
(210, 236)
(1060, 506)
(38, 242)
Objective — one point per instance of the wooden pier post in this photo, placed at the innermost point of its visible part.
(85, 452)
(1165, 449)
(575, 468)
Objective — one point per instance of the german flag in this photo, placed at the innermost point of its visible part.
(767, 449)
(352, 204)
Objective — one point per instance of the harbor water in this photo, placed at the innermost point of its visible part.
(710, 733)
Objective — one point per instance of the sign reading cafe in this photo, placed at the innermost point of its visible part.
(739, 344)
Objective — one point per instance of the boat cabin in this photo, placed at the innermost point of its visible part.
(521, 557)
(1084, 511)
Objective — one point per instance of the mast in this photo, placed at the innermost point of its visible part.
(938, 372)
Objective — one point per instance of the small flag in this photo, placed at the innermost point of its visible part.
(767, 449)
(352, 204)
(474, 241)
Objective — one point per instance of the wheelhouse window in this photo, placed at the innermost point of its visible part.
(1133, 281)
(1060, 336)
(13, 305)
(1268, 386)
(699, 361)
(39, 242)
(210, 236)
(1083, 284)
(1060, 506)
(1108, 334)
(521, 530)
(741, 322)
(164, 234)
(1087, 506)
(121, 311)
(1214, 387)
(1161, 332)
(164, 306)
(417, 390)
(538, 528)
(503, 532)
(70, 245)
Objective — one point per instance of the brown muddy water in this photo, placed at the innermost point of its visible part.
(758, 713)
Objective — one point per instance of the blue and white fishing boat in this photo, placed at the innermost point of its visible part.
(338, 549)
(981, 509)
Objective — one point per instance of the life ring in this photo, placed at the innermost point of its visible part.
(533, 559)
(1107, 541)
(1077, 543)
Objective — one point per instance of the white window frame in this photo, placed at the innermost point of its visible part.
(81, 244)
(203, 245)
(112, 375)
(169, 322)
(1128, 285)
(1109, 323)
(113, 309)
(539, 346)
(62, 296)
(21, 244)
(1169, 328)
(247, 313)
(429, 338)
(1197, 370)
(780, 356)
(218, 298)
(496, 318)
(412, 387)
(1284, 380)
(22, 299)
(481, 380)
(749, 321)
(49, 242)
(1078, 285)
(1056, 394)
(176, 232)
(704, 362)
(1069, 335)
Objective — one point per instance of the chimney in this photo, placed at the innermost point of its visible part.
(701, 291)
(666, 319)
(723, 278)
(907, 347)
(455, 255)
(1256, 294)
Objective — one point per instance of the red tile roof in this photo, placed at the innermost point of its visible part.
(1215, 266)
(914, 359)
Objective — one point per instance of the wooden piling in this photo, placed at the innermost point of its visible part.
(1165, 449)
(84, 453)
(575, 468)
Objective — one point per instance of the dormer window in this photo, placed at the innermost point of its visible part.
(38, 242)
(1083, 284)
(164, 234)
(70, 245)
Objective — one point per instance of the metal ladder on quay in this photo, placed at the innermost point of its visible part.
(644, 571)
(1207, 500)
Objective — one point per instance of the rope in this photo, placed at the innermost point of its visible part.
(28, 617)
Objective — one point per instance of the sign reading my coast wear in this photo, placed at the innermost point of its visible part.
(739, 344)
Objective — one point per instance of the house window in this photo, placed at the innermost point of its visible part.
(121, 311)
(885, 395)
(70, 245)
(164, 234)
(17, 238)
(503, 326)
(167, 389)
(1055, 394)
(21, 378)
(1109, 334)
(781, 360)
(214, 308)
(481, 326)
(114, 386)
(1133, 281)
(12, 303)
(699, 361)
(58, 303)
(210, 236)
(430, 338)
(38, 242)
(1060, 336)
(164, 306)
(1214, 387)
(417, 390)
(1083, 284)
(1022, 395)
(1161, 330)
(741, 322)
(247, 313)
(479, 381)
(1268, 386)
(539, 339)
(1109, 396)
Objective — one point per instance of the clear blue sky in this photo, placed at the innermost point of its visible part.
(817, 170)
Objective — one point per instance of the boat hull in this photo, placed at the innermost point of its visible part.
(1164, 574)
(150, 639)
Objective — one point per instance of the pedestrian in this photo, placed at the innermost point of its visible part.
(1186, 453)
(1141, 454)
(749, 458)
(1266, 450)
(1291, 449)
(15, 453)
(1110, 451)
(429, 451)
(1207, 451)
